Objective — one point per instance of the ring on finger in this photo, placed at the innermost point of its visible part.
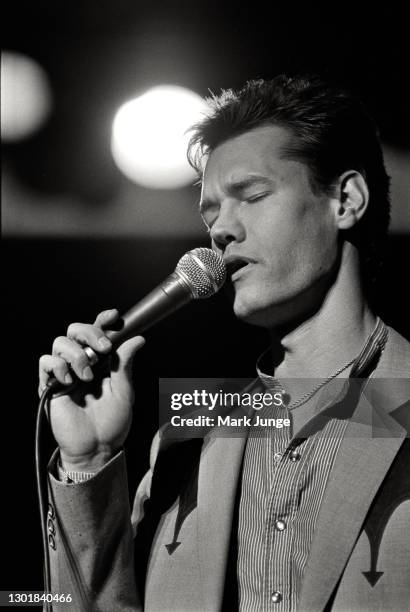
(92, 355)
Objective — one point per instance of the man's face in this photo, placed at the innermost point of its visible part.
(278, 237)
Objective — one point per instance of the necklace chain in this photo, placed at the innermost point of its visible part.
(312, 392)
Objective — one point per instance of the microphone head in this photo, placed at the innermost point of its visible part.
(203, 270)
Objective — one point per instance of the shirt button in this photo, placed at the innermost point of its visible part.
(280, 525)
(277, 456)
(294, 456)
(276, 597)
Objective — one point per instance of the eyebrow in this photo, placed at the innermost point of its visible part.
(248, 181)
(236, 187)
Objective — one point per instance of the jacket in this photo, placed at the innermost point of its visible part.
(174, 549)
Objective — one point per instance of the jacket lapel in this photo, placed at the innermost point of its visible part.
(218, 480)
(370, 444)
(217, 485)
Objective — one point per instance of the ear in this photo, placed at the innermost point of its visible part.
(352, 198)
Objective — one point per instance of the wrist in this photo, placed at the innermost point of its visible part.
(85, 463)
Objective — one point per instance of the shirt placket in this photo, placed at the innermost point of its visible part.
(285, 470)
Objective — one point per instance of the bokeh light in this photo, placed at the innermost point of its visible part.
(149, 136)
(25, 96)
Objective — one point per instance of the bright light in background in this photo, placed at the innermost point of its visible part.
(149, 139)
(25, 96)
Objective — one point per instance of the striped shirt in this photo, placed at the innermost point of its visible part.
(283, 484)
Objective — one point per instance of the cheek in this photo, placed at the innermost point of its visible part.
(301, 241)
(314, 226)
(325, 233)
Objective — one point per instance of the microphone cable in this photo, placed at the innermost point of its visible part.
(83, 603)
(41, 483)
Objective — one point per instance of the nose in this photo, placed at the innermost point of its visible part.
(227, 228)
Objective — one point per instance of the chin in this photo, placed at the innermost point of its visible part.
(268, 314)
(253, 312)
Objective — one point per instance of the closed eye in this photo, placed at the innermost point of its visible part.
(257, 197)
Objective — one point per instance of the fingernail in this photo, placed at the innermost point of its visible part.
(87, 373)
(104, 343)
(68, 379)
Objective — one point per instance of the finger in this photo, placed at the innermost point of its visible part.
(89, 335)
(75, 355)
(106, 317)
(53, 366)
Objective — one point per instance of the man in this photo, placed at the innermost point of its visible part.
(309, 517)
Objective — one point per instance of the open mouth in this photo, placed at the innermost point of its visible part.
(234, 266)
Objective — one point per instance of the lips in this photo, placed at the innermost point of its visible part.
(236, 263)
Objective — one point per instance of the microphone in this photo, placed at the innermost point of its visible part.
(199, 274)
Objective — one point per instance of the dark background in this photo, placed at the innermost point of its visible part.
(97, 54)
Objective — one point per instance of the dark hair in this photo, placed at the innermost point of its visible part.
(333, 133)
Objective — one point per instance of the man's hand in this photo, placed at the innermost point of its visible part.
(90, 422)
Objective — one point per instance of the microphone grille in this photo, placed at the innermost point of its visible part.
(204, 270)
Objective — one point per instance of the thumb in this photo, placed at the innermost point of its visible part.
(126, 353)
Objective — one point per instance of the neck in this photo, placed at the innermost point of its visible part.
(321, 344)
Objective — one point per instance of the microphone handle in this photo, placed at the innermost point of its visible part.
(162, 301)
(171, 294)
